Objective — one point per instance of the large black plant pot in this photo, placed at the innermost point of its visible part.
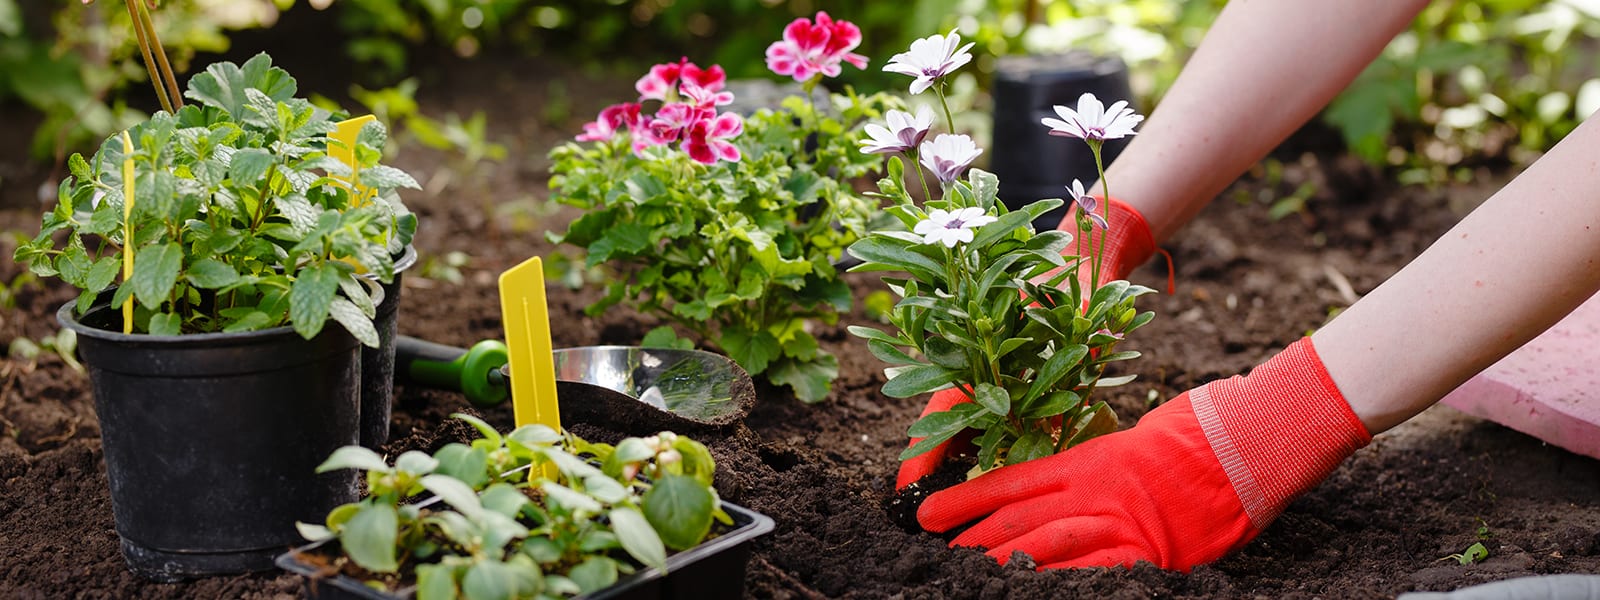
(1031, 163)
(212, 440)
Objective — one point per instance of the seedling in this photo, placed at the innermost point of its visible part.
(496, 527)
(1474, 553)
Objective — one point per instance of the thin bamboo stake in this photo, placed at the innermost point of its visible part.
(168, 77)
(149, 61)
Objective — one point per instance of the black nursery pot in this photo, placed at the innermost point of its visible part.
(212, 440)
(713, 570)
(1031, 163)
(377, 364)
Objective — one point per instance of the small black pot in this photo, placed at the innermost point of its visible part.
(212, 440)
(710, 571)
(1031, 163)
(377, 364)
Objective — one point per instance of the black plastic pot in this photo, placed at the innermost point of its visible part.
(1030, 162)
(377, 364)
(211, 441)
(712, 570)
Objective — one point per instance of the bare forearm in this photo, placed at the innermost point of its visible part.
(1264, 69)
(1507, 272)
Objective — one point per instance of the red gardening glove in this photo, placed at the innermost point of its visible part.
(1128, 240)
(1197, 478)
(1128, 245)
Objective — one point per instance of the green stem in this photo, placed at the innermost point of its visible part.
(949, 120)
(916, 164)
(1105, 192)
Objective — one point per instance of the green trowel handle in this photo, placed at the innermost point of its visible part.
(474, 372)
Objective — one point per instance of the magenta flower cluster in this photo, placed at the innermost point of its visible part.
(809, 48)
(688, 117)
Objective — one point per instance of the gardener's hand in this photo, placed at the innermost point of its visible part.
(1196, 478)
(1128, 245)
(1128, 242)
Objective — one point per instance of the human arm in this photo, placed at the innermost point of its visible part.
(1264, 69)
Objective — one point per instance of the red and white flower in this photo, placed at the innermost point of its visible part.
(706, 140)
(612, 119)
(660, 81)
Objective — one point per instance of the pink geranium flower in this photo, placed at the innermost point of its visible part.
(702, 97)
(809, 48)
(706, 140)
(612, 119)
(661, 79)
(671, 121)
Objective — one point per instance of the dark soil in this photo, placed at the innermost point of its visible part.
(1247, 286)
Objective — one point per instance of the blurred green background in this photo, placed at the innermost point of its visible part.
(1472, 83)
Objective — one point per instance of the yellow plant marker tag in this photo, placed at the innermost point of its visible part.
(127, 228)
(531, 356)
(345, 132)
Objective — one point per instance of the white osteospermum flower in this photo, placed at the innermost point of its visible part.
(929, 59)
(904, 132)
(951, 228)
(1093, 120)
(948, 155)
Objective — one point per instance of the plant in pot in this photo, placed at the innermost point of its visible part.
(225, 365)
(727, 227)
(531, 514)
(988, 305)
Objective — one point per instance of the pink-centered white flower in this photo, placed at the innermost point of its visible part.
(930, 59)
(948, 155)
(951, 228)
(1087, 204)
(809, 48)
(905, 131)
(1094, 120)
(706, 139)
(662, 78)
(612, 119)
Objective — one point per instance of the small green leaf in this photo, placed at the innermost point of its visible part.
(353, 457)
(637, 537)
(155, 270)
(752, 352)
(490, 580)
(463, 462)
(679, 508)
(313, 532)
(249, 165)
(503, 498)
(435, 582)
(211, 274)
(354, 321)
(919, 380)
(311, 297)
(165, 324)
(369, 537)
(386, 178)
(596, 572)
(810, 379)
(1033, 444)
(665, 337)
(455, 493)
(1102, 420)
(943, 422)
(993, 398)
(1059, 364)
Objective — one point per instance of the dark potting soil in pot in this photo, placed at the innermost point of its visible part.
(1247, 286)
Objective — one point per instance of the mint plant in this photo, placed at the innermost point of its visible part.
(729, 227)
(498, 528)
(990, 306)
(241, 221)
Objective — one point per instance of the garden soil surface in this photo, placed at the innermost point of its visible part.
(1247, 285)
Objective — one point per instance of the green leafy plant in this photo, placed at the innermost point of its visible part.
(241, 218)
(1474, 553)
(990, 306)
(529, 514)
(734, 240)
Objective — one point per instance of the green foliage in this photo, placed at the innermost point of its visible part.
(1002, 318)
(739, 253)
(1470, 80)
(241, 221)
(531, 514)
(1477, 552)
